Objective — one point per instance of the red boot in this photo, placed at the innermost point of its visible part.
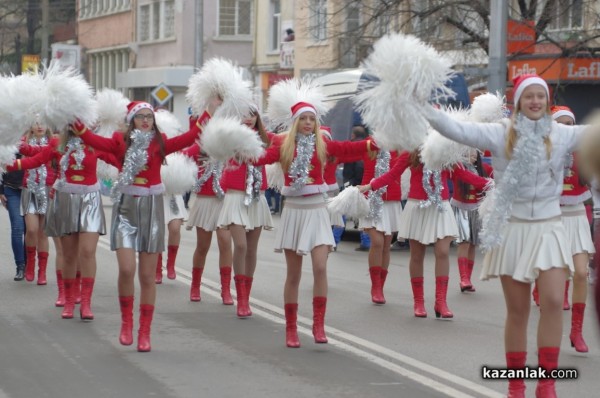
(158, 277)
(30, 263)
(171, 256)
(60, 301)
(226, 285)
(126, 335)
(87, 287)
(418, 297)
(441, 307)
(384, 274)
(471, 265)
(77, 288)
(548, 359)
(535, 294)
(248, 281)
(240, 288)
(576, 335)
(146, 313)
(463, 270)
(319, 308)
(516, 387)
(195, 288)
(376, 286)
(42, 264)
(291, 327)
(69, 306)
(566, 305)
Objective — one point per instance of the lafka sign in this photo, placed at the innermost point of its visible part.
(577, 70)
(521, 37)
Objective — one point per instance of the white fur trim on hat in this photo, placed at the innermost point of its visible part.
(137, 108)
(304, 109)
(563, 112)
(528, 82)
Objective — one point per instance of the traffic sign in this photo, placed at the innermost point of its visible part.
(162, 94)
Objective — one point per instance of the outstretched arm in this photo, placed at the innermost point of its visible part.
(401, 164)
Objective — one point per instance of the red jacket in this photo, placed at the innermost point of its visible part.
(32, 150)
(234, 174)
(195, 153)
(475, 187)
(394, 191)
(573, 191)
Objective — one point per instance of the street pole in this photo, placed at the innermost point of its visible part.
(199, 34)
(45, 32)
(497, 46)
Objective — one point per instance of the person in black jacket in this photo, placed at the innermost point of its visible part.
(10, 196)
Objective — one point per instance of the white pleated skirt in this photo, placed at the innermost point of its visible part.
(577, 226)
(389, 221)
(174, 208)
(260, 214)
(529, 247)
(304, 225)
(204, 212)
(427, 225)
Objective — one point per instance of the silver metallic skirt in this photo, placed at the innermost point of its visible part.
(469, 225)
(138, 222)
(71, 213)
(32, 203)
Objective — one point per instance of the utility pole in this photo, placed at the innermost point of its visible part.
(199, 34)
(45, 32)
(497, 46)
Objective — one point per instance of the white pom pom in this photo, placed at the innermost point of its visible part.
(350, 202)
(275, 176)
(438, 152)
(179, 174)
(226, 138)
(286, 93)
(111, 106)
(488, 108)
(167, 123)
(7, 154)
(219, 77)
(69, 97)
(105, 171)
(22, 103)
(410, 73)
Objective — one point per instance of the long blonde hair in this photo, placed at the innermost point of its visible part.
(288, 148)
(511, 140)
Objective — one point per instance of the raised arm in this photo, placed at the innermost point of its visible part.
(184, 140)
(470, 178)
(271, 155)
(114, 144)
(33, 162)
(400, 165)
(344, 149)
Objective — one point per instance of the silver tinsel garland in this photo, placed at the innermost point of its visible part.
(382, 166)
(76, 148)
(527, 153)
(173, 205)
(214, 169)
(298, 171)
(253, 183)
(434, 193)
(135, 159)
(36, 179)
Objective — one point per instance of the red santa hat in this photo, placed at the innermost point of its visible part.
(521, 82)
(558, 111)
(301, 107)
(134, 107)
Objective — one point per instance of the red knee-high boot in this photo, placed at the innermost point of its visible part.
(516, 387)
(418, 297)
(470, 267)
(146, 313)
(566, 305)
(548, 359)
(171, 256)
(240, 288)
(60, 301)
(441, 289)
(42, 264)
(376, 286)
(576, 335)
(30, 263)
(226, 285)
(126, 334)
(77, 288)
(463, 271)
(291, 327)
(158, 277)
(384, 274)
(535, 294)
(69, 306)
(85, 310)
(319, 308)
(195, 288)
(248, 280)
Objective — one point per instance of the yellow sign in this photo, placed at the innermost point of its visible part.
(30, 63)
(161, 94)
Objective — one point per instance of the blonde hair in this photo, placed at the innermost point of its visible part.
(29, 134)
(511, 139)
(288, 148)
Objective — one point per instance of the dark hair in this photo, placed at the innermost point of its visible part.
(157, 136)
(260, 128)
(464, 187)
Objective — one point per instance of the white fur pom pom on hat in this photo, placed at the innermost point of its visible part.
(111, 107)
(226, 138)
(287, 94)
(21, 105)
